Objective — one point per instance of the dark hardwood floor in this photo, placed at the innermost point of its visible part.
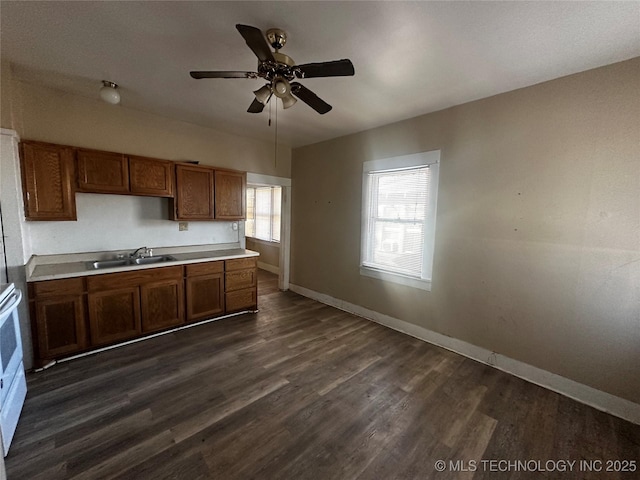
(301, 390)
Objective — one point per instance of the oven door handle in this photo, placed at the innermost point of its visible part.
(17, 297)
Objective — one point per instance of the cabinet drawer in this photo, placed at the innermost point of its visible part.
(241, 300)
(67, 286)
(240, 279)
(240, 263)
(205, 268)
(109, 281)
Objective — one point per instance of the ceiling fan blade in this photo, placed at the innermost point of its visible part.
(336, 68)
(256, 42)
(255, 107)
(206, 74)
(310, 98)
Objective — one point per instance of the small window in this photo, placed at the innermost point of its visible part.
(263, 213)
(398, 225)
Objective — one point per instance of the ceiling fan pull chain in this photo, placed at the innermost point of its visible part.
(275, 150)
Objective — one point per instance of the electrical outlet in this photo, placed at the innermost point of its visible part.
(183, 226)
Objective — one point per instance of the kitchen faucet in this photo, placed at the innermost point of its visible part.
(146, 252)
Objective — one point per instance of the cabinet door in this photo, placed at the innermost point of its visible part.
(148, 176)
(231, 195)
(114, 315)
(205, 296)
(194, 193)
(102, 172)
(47, 178)
(60, 324)
(162, 304)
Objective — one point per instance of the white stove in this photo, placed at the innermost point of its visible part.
(13, 385)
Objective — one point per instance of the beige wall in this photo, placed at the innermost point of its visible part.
(41, 113)
(5, 95)
(269, 252)
(537, 253)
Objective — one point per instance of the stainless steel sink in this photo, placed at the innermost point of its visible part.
(125, 262)
(155, 259)
(120, 262)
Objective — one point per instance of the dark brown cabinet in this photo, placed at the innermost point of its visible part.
(149, 176)
(78, 314)
(58, 316)
(241, 280)
(125, 305)
(114, 315)
(102, 172)
(48, 181)
(162, 303)
(53, 173)
(194, 193)
(205, 290)
(230, 195)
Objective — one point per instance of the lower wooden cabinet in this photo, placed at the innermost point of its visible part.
(162, 304)
(246, 299)
(205, 290)
(58, 317)
(114, 315)
(61, 325)
(76, 314)
(241, 281)
(125, 305)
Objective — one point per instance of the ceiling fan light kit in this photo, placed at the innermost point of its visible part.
(263, 94)
(109, 92)
(280, 70)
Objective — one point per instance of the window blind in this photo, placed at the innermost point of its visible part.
(397, 209)
(263, 213)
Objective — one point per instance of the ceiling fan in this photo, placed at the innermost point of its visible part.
(279, 70)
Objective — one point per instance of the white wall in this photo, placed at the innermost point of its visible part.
(118, 222)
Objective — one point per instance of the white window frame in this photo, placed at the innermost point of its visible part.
(273, 198)
(432, 160)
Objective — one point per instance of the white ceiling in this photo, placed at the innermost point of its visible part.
(410, 58)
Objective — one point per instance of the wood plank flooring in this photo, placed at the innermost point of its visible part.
(301, 390)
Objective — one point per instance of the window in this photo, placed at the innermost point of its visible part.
(398, 224)
(263, 213)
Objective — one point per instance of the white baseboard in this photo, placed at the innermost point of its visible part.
(269, 268)
(606, 402)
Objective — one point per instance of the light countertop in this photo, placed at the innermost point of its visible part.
(54, 267)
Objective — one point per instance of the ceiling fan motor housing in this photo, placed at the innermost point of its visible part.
(277, 37)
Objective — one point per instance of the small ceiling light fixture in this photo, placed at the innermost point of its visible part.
(109, 92)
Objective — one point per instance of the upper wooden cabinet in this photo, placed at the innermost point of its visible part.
(193, 199)
(149, 176)
(102, 172)
(47, 180)
(53, 173)
(108, 172)
(230, 195)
